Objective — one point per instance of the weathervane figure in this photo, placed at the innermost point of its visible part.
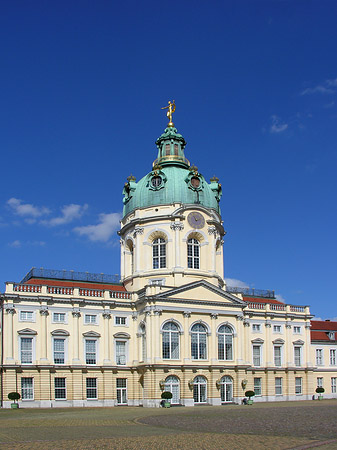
(171, 108)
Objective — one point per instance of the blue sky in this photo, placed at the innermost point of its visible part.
(255, 83)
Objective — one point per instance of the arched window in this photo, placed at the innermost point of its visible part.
(200, 389)
(199, 341)
(170, 341)
(172, 384)
(226, 389)
(193, 254)
(225, 343)
(159, 253)
(143, 338)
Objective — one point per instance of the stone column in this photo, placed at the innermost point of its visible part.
(76, 341)
(185, 343)
(122, 243)
(213, 231)
(44, 313)
(213, 357)
(157, 353)
(177, 227)
(268, 348)
(288, 354)
(107, 345)
(149, 337)
(239, 348)
(247, 345)
(136, 234)
(9, 333)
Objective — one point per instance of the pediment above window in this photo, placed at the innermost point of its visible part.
(60, 333)
(27, 331)
(298, 342)
(279, 341)
(92, 334)
(122, 336)
(258, 341)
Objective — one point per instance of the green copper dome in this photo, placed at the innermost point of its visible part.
(172, 179)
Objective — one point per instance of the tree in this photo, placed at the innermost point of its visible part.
(14, 396)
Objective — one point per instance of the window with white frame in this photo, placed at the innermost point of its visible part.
(121, 353)
(27, 388)
(256, 327)
(319, 356)
(26, 350)
(332, 357)
(60, 388)
(172, 384)
(170, 341)
(59, 350)
(200, 389)
(120, 320)
(59, 317)
(278, 355)
(198, 341)
(333, 385)
(225, 343)
(90, 319)
(277, 328)
(257, 355)
(298, 356)
(193, 254)
(319, 381)
(121, 386)
(297, 330)
(298, 385)
(278, 386)
(91, 385)
(90, 351)
(159, 253)
(26, 316)
(258, 386)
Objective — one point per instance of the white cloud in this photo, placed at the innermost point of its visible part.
(26, 209)
(277, 126)
(15, 244)
(69, 213)
(280, 298)
(107, 226)
(232, 282)
(327, 87)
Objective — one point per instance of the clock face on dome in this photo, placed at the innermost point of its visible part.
(196, 220)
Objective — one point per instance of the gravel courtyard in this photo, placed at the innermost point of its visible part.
(286, 425)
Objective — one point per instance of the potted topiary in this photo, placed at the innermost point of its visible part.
(249, 394)
(166, 396)
(14, 396)
(320, 390)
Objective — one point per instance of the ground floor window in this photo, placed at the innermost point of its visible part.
(172, 384)
(258, 386)
(278, 386)
(319, 381)
(333, 385)
(27, 389)
(122, 397)
(91, 388)
(226, 389)
(60, 389)
(200, 389)
(298, 385)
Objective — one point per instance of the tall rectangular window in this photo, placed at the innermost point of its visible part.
(27, 389)
(298, 385)
(257, 355)
(333, 385)
(91, 388)
(319, 356)
(277, 329)
(59, 351)
(90, 351)
(277, 355)
(122, 398)
(60, 389)
(319, 381)
(120, 352)
(297, 330)
(26, 350)
(297, 356)
(332, 357)
(278, 386)
(258, 386)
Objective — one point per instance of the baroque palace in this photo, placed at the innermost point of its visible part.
(170, 323)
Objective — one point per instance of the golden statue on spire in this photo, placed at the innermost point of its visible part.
(170, 110)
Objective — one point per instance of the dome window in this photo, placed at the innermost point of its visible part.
(195, 182)
(167, 149)
(156, 181)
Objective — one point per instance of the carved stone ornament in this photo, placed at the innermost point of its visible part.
(10, 309)
(76, 313)
(134, 316)
(307, 326)
(212, 230)
(44, 312)
(288, 325)
(106, 314)
(267, 324)
(187, 313)
(246, 323)
(214, 315)
(157, 311)
(138, 230)
(239, 317)
(177, 226)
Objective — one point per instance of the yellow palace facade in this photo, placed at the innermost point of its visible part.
(170, 323)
